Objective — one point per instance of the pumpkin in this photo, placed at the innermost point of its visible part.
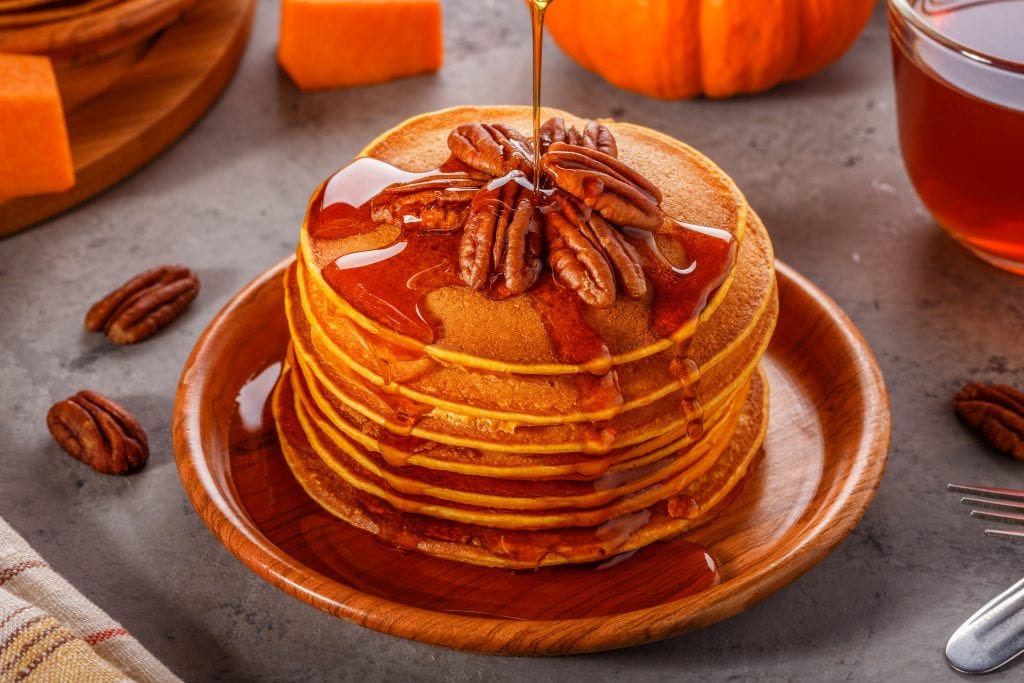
(682, 48)
(35, 156)
(340, 43)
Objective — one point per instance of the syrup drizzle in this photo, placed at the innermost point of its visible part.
(387, 284)
(537, 10)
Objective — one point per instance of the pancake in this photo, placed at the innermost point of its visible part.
(525, 415)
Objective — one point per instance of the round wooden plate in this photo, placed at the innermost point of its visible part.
(824, 456)
(152, 102)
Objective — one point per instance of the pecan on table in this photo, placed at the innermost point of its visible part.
(620, 194)
(594, 136)
(436, 203)
(502, 235)
(996, 411)
(143, 305)
(94, 429)
(493, 149)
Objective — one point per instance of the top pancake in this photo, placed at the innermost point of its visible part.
(475, 329)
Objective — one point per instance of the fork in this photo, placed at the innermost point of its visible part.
(994, 505)
(994, 635)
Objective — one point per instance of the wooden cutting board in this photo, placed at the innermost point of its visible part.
(147, 108)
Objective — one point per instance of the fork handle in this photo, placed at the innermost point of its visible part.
(993, 635)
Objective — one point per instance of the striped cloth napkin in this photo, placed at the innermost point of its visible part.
(51, 632)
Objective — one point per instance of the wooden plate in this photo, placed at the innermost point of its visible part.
(150, 105)
(824, 456)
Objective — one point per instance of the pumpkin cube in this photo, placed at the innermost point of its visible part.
(35, 155)
(339, 43)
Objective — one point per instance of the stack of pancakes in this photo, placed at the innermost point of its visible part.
(482, 444)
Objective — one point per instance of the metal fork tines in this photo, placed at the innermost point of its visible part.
(995, 505)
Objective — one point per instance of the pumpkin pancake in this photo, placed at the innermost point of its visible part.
(489, 373)
(376, 414)
(519, 513)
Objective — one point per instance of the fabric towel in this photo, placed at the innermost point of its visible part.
(51, 632)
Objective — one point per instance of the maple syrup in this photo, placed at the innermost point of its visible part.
(959, 76)
(537, 10)
(387, 284)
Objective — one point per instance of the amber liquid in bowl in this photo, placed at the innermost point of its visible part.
(961, 121)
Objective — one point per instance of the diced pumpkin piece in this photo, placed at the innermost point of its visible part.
(339, 43)
(34, 153)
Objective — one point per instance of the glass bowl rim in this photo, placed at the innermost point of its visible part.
(910, 15)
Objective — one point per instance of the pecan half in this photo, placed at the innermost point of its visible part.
(605, 184)
(598, 136)
(94, 429)
(996, 411)
(502, 235)
(554, 130)
(436, 203)
(577, 262)
(140, 307)
(594, 136)
(605, 237)
(494, 149)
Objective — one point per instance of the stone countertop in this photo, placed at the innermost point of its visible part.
(818, 160)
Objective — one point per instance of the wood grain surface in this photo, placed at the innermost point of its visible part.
(93, 33)
(79, 82)
(823, 459)
(50, 13)
(149, 105)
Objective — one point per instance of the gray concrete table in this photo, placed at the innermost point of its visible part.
(819, 160)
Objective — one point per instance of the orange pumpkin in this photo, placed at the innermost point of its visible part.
(682, 48)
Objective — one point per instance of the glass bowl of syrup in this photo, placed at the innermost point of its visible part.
(959, 75)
